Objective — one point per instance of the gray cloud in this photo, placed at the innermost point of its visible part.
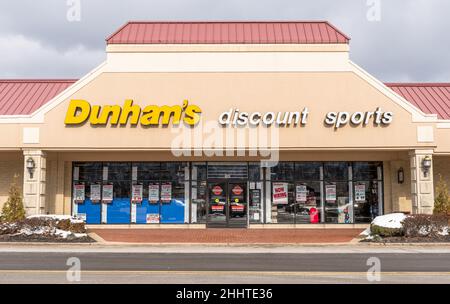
(409, 43)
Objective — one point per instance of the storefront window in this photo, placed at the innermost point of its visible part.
(87, 181)
(173, 192)
(283, 202)
(335, 171)
(296, 193)
(118, 171)
(254, 171)
(307, 171)
(118, 205)
(172, 171)
(366, 170)
(256, 210)
(367, 190)
(88, 172)
(148, 171)
(307, 200)
(199, 193)
(337, 207)
(283, 171)
(336, 192)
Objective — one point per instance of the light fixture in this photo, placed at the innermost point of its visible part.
(31, 165)
(400, 175)
(426, 164)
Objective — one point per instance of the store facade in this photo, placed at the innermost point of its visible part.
(230, 124)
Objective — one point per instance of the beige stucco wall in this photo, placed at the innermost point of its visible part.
(320, 92)
(442, 137)
(399, 193)
(58, 187)
(11, 165)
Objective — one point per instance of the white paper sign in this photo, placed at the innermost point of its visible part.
(330, 192)
(137, 193)
(256, 216)
(153, 193)
(360, 192)
(79, 193)
(301, 193)
(95, 193)
(107, 193)
(166, 192)
(279, 193)
(152, 218)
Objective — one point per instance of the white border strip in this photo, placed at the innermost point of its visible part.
(445, 124)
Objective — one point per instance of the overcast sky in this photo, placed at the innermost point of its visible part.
(409, 42)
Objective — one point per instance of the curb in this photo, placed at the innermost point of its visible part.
(443, 244)
(97, 238)
(99, 242)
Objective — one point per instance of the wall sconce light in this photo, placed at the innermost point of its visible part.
(400, 175)
(31, 165)
(426, 164)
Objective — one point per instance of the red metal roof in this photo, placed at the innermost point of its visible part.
(228, 32)
(22, 97)
(431, 98)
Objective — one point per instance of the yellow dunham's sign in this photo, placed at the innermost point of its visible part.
(81, 111)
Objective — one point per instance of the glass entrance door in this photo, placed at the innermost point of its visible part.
(237, 206)
(227, 204)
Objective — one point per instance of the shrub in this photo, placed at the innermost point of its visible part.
(442, 200)
(77, 228)
(9, 228)
(420, 225)
(63, 224)
(385, 232)
(37, 222)
(68, 225)
(13, 209)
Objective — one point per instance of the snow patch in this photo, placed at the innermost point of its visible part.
(393, 220)
(45, 227)
(444, 232)
(365, 232)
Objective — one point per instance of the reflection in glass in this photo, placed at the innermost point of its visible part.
(337, 171)
(337, 207)
(366, 204)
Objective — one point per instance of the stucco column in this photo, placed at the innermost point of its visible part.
(34, 184)
(422, 186)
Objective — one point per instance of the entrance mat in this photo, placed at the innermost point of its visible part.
(238, 236)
